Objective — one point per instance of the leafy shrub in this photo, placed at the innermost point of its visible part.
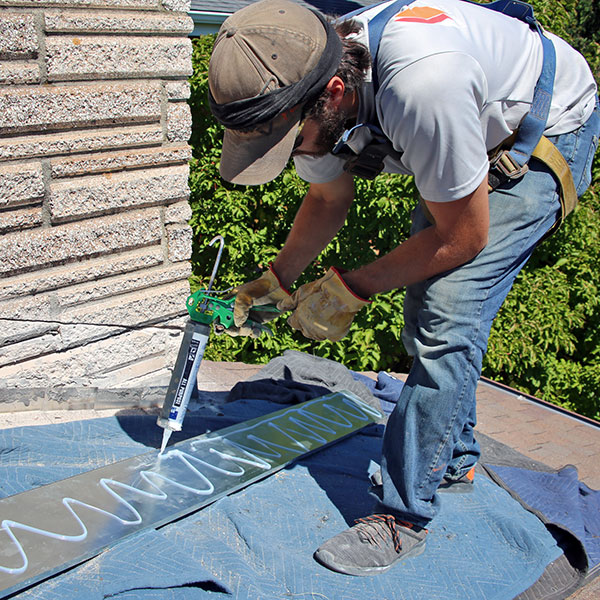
(546, 338)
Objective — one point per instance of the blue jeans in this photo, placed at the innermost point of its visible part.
(447, 323)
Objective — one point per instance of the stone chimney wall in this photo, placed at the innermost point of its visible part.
(94, 126)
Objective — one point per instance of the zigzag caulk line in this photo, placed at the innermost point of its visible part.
(300, 417)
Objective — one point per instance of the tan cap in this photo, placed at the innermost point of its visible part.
(266, 46)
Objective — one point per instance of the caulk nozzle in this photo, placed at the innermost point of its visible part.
(166, 435)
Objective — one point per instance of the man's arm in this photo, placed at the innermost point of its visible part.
(459, 233)
(321, 215)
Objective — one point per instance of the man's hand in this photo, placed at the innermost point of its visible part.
(323, 309)
(259, 292)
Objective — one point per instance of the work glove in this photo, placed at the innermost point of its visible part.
(266, 290)
(323, 309)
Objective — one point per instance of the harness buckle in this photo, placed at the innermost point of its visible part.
(507, 165)
(504, 167)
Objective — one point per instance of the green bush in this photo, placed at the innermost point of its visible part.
(546, 338)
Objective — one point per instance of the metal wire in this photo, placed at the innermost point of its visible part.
(119, 325)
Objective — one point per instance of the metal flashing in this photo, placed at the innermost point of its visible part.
(90, 512)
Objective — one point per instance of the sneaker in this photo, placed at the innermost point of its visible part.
(462, 485)
(372, 546)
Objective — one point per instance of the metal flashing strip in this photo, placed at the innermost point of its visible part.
(46, 530)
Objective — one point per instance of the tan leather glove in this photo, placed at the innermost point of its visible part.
(264, 290)
(323, 309)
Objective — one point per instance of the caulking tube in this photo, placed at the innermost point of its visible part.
(183, 379)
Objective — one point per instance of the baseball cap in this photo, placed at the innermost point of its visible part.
(268, 59)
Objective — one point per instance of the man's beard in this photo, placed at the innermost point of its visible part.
(332, 124)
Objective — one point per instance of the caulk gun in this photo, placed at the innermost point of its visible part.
(204, 309)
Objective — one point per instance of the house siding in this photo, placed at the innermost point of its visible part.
(94, 240)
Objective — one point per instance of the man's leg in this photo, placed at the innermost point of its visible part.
(448, 319)
(447, 324)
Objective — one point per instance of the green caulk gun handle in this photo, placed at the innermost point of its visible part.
(224, 319)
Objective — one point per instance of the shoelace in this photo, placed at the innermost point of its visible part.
(383, 527)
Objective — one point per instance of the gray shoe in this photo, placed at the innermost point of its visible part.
(372, 546)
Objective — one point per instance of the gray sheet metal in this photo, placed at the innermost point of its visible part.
(51, 528)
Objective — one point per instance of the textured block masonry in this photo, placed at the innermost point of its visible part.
(94, 234)
(87, 164)
(107, 22)
(71, 143)
(86, 4)
(27, 251)
(96, 195)
(21, 184)
(47, 108)
(18, 37)
(91, 269)
(179, 122)
(19, 73)
(109, 58)
(15, 220)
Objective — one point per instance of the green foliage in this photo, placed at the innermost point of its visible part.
(577, 21)
(255, 222)
(546, 338)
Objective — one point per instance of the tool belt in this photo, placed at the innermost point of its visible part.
(503, 169)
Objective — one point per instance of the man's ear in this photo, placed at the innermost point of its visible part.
(336, 89)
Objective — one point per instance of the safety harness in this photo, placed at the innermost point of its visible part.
(508, 161)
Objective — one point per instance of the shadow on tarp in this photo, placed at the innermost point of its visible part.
(205, 413)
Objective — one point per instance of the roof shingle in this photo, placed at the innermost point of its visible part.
(329, 7)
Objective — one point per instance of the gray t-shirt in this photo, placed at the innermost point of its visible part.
(455, 80)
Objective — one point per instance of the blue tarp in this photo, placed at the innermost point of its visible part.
(258, 543)
(561, 500)
(557, 497)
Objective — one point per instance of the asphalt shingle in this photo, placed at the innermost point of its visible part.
(329, 7)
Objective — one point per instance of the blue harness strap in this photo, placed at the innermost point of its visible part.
(533, 124)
